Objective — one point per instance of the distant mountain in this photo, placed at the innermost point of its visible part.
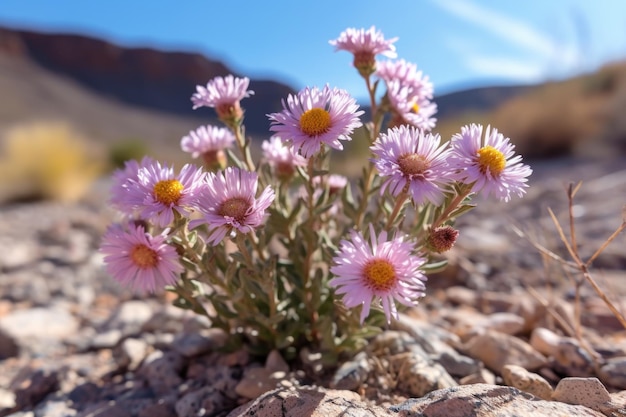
(142, 77)
(476, 99)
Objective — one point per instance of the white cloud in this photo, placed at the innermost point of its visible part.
(507, 28)
(543, 54)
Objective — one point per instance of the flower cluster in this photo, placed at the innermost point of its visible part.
(280, 251)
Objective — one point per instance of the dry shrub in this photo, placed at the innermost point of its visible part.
(46, 160)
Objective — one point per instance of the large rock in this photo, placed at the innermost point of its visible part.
(310, 402)
(483, 400)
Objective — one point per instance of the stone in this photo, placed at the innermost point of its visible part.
(613, 372)
(520, 378)
(39, 323)
(310, 402)
(484, 400)
(54, 409)
(106, 339)
(8, 346)
(256, 382)
(275, 362)
(351, 374)
(582, 391)
(544, 341)
(205, 401)
(456, 364)
(570, 359)
(130, 353)
(417, 377)
(162, 370)
(507, 323)
(129, 317)
(483, 376)
(496, 349)
(32, 386)
(192, 344)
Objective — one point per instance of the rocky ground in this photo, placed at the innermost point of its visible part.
(496, 335)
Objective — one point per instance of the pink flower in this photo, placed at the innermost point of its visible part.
(385, 270)
(488, 163)
(122, 181)
(365, 45)
(138, 259)
(410, 107)
(155, 191)
(281, 157)
(314, 117)
(407, 75)
(225, 95)
(413, 161)
(360, 41)
(229, 203)
(210, 142)
(207, 139)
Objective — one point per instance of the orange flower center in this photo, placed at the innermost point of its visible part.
(168, 191)
(379, 274)
(144, 257)
(236, 207)
(415, 108)
(492, 160)
(315, 122)
(413, 164)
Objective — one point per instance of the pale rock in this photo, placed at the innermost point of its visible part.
(432, 339)
(39, 323)
(589, 392)
(417, 376)
(544, 341)
(130, 353)
(106, 339)
(310, 402)
(484, 400)
(18, 253)
(461, 296)
(507, 323)
(520, 378)
(496, 349)
(192, 344)
(130, 316)
(483, 376)
(54, 409)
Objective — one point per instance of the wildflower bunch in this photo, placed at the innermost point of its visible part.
(280, 252)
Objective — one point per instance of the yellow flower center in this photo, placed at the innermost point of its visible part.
(315, 122)
(492, 160)
(235, 207)
(168, 191)
(415, 108)
(413, 164)
(379, 274)
(144, 257)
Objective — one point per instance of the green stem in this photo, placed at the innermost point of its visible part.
(400, 200)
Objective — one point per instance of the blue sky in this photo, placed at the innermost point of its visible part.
(457, 43)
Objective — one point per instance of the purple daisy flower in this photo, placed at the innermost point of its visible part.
(225, 95)
(229, 202)
(488, 163)
(207, 139)
(365, 45)
(122, 181)
(314, 117)
(155, 192)
(410, 107)
(210, 142)
(406, 74)
(139, 260)
(385, 270)
(414, 161)
(360, 41)
(281, 157)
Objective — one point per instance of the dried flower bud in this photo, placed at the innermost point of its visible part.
(441, 239)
